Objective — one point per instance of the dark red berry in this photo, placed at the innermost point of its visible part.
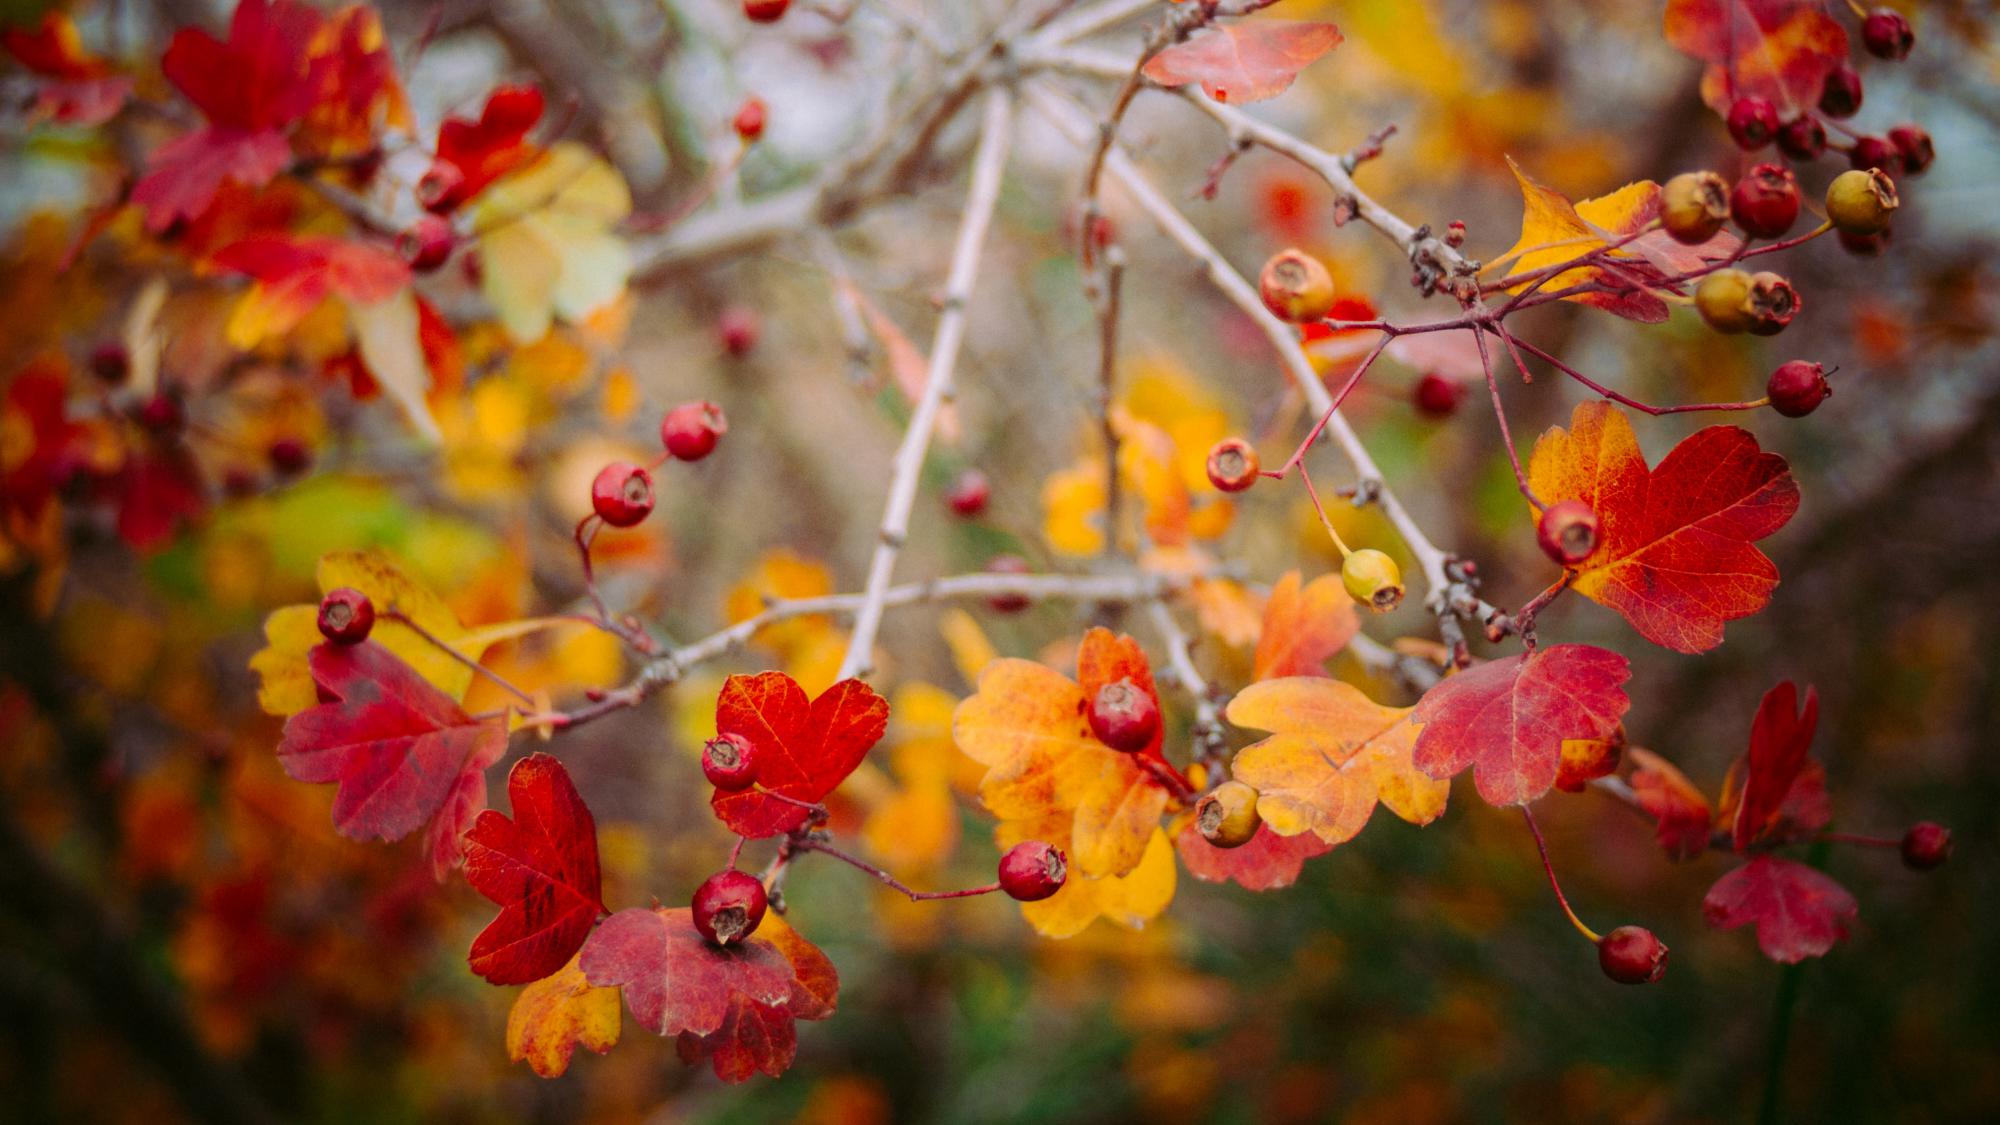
(1632, 955)
(1124, 716)
(162, 414)
(738, 330)
(289, 457)
(1802, 138)
(749, 121)
(1232, 465)
(441, 188)
(690, 430)
(729, 761)
(1766, 201)
(346, 616)
(1567, 532)
(1032, 871)
(622, 494)
(1887, 35)
(1913, 144)
(968, 494)
(1437, 396)
(1797, 388)
(765, 11)
(729, 906)
(1008, 564)
(426, 243)
(1926, 845)
(111, 363)
(1753, 122)
(1841, 95)
(1875, 152)
(1864, 245)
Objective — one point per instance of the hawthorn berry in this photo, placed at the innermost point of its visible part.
(1722, 297)
(690, 430)
(346, 616)
(1373, 579)
(1693, 206)
(1887, 34)
(1875, 152)
(111, 363)
(1032, 871)
(622, 494)
(1568, 532)
(1227, 816)
(765, 11)
(1802, 138)
(738, 331)
(1766, 201)
(1296, 287)
(729, 762)
(1797, 388)
(1232, 465)
(729, 906)
(1840, 96)
(1008, 564)
(162, 415)
(1772, 304)
(441, 188)
(1925, 846)
(749, 119)
(1864, 245)
(289, 457)
(1861, 202)
(1124, 716)
(1632, 955)
(1753, 122)
(1437, 396)
(1913, 144)
(968, 493)
(426, 244)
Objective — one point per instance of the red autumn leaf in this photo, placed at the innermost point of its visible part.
(1780, 739)
(484, 149)
(1799, 912)
(34, 418)
(1675, 554)
(541, 868)
(296, 272)
(761, 1038)
(1781, 50)
(445, 839)
(1509, 718)
(1267, 862)
(1245, 62)
(804, 748)
(393, 744)
(674, 979)
(1679, 808)
(1303, 626)
(79, 87)
(357, 92)
(158, 489)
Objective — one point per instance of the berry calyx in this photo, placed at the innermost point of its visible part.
(1913, 144)
(441, 188)
(1772, 303)
(968, 494)
(1926, 846)
(729, 762)
(1008, 564)
(1753, 122)
(765, 11)
(1797, 388)
(1032, 871)
(729, 906)
(1802, 138)
(1232, 465)
(425, 244)
(1437, 396)
(1693, 206)
(1373, 579)
(1632, 955)
(1861, 202)
(749, 119)
(1722, 299)
(1875, 152)
(622, 494)
(111, 363)
(1766, 201)
(1840, 96)
(1568, 532)
(1296, 287)
(690, 430)
(346, 616)
(1227, 817)
(1124, 716)
(1887, 34)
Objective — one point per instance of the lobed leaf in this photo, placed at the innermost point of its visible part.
(540, 867)
(1798, 912)
(1509, 718)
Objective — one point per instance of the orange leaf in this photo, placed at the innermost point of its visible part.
(1244, 62)
(1304, 626)
(552, 1017)
(1332, 754)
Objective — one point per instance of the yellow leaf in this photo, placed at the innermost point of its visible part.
(1072, 509)
(387, 333)
(548, 249)
(555, 1015)
(285, 685)
(1332, 754)
(970, 648)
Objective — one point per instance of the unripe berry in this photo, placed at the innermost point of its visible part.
(1926, 845)
(1875, 152)
(1722, 298)
(1693, 206)
(1841, 95)
(729, 906)
(749, 120)
(1887, 34)
(1864, 245)
(1913, 144)
(346, 616)
(441, 188)
(690, 430)
(1228, 816)
(738, 330)
(1568, 532)
(968, 494)
(622, 494)
(1766, 201)
(1861, 202)
(1797, 388)
(111, 363)
(1296, 287)
(1437, 396)
(1373, 579)
(1752, 123)
(426, 243)
(1124, 716)
(729, 762)
(1772, 303)
(1632, 955)
(1802, 138)
(1008, 564)
(1032, 871)
(1232, 465)
(289, 457)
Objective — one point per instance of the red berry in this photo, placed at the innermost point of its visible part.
(1032, 871)
(162, 414)
(968, 494)
(1567, 532)
(622, 494)
(1875, 152)
(1887, 34)
(1797, 388)
(1232, 465)
(1864, 245)
(1841, 95)
(1766, 201)
(346, 616)
(729, 761)
(1632, 955)
(1802, 138)
(426, 243)
(765, 11)
(1772, 304)
(1437, 396)
(1913, 144)
(1926, 845)
(729, 906)
(749, 122)
(111, 363)
(441, 188)
(1753, 122)
(1008, 564)
(1124, 716)
(738, 330)
(690, 430)
(289, 457)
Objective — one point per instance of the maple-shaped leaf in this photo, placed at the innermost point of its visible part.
(1303, 626)
(485, 148)
(761, 1038)
(805, 747)
(1761, 789)
(1674, 555)
(554, 1016)
(1799, 912)
(1267, 862)
(1332, 754)
(540, 867)
(1679, 809)
(1779, 50)
(77, 87)
(1508, 718)
(675, 980)
(1131, 900)
(294, 273)
(357, 93)
(392, 743)
(1244, 62)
